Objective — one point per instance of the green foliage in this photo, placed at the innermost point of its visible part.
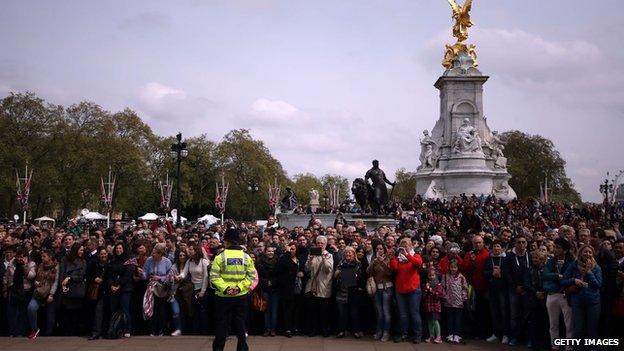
(71, 148)
(532, 158)
(244, 161)
(329, 180)
(405, 188)
(303, 184)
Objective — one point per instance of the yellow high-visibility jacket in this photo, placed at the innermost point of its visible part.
(233, 268)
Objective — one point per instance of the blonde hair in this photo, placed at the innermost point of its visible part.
(352, 250)
(160, 248)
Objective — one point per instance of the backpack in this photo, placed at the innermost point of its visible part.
(117, 325)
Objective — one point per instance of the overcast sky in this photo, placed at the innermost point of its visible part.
(329, 85)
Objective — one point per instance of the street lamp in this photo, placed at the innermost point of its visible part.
(178, 151)
(606, 189)
(253, 188)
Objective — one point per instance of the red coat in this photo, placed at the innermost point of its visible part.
(474, 270)
(444, 264)
(408, 276)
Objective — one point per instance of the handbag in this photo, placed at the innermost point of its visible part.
(371, 287)
(161, 290)
(258, 302)
(313, 283)
(572, 289)
(41, 292)
(93, 291)
(298, 285)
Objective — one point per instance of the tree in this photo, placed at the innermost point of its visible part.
(329, 180)
(405, 187)
(245, 161)
(303, 184)
(532, 159)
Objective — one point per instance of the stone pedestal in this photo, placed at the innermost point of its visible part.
(301, 220)
(462, 155)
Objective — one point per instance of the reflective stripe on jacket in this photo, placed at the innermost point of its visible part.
(233, 268)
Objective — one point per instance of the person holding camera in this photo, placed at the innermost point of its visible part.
(406, 263)
(319, 266)
(18, 289)
(583, 280)
(380, 271)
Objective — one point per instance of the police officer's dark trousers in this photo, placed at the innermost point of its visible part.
(226, 310)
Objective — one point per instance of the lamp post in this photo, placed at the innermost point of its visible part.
(178, 151)
(606, 189)
(253, 188)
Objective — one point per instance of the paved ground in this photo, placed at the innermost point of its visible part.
(183, 343)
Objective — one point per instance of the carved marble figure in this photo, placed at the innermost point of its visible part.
(467, 139)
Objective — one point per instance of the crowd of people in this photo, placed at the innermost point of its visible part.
(517, 273)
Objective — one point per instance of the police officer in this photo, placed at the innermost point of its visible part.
(233, 276)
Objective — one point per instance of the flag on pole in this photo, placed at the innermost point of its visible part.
(274, 193)
(221, 192)
(23, 191)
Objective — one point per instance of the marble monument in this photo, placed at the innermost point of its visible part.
(462, 155)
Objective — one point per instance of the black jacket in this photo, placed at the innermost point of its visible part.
(120, 274)
(267, 274)
(95, 269)
(517, 270)
(286, 272)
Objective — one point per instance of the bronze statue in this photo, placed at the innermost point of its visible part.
(380, 191)
(289, 202)
(363, 193)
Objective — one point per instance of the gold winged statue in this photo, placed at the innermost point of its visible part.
(461, 15)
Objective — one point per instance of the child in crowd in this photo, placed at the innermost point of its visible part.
(434, 292)
(455, 294)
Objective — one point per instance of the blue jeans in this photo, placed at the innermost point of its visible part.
(175, 314)
(454, 319)
(409, 304)
(33, 307)
(585, 319)
(121, 301)
(270, 315)
(383, 303)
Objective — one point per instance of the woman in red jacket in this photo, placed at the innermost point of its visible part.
(407, 265)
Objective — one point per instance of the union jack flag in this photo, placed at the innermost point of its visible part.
(24, 193)
(274, 192)
(221, 195)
